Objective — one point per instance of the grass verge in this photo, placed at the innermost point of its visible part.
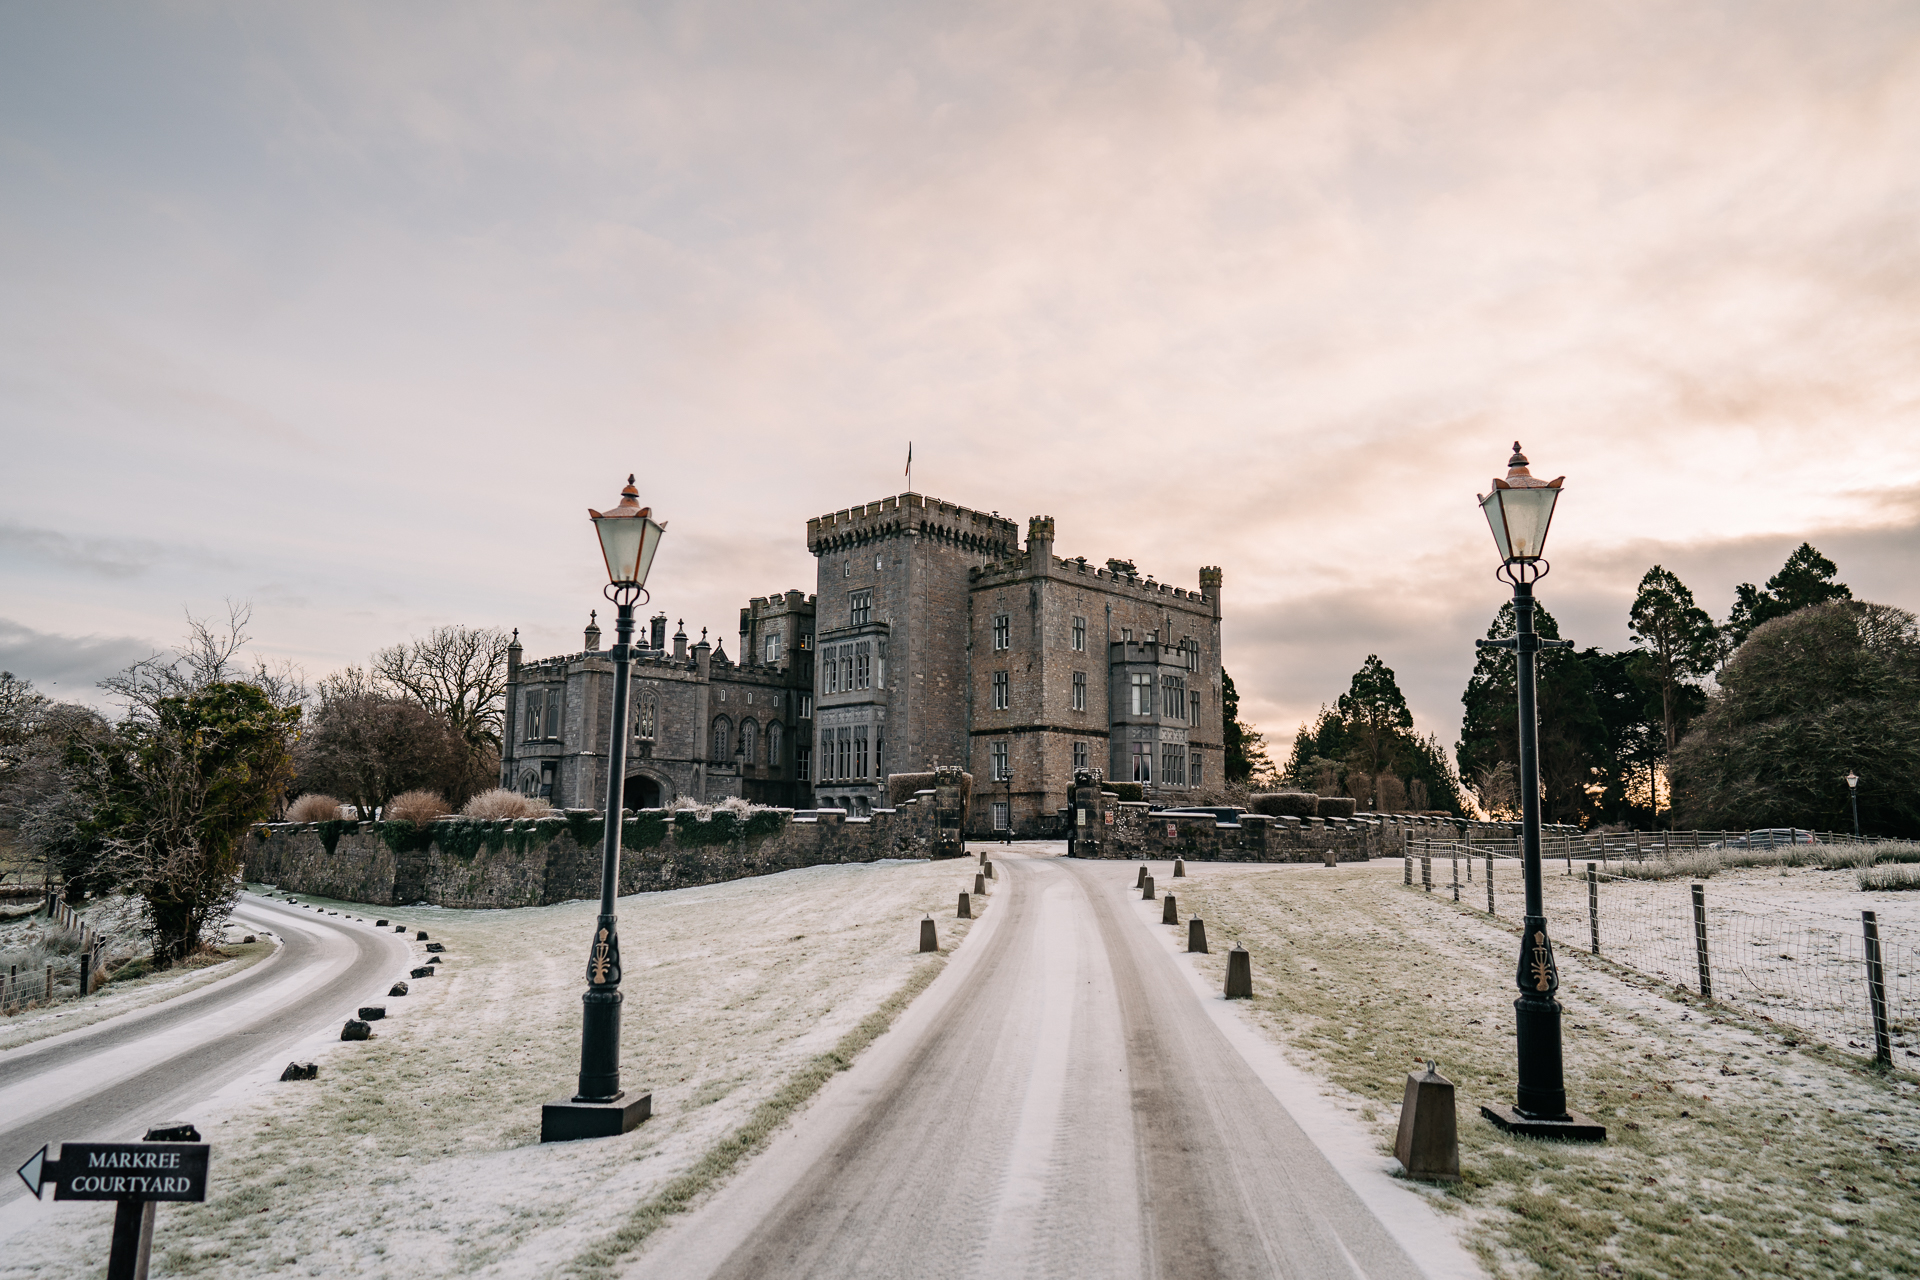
(750, 1138)
(1734, 1148)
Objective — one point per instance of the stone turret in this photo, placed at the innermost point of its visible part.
(1040, 544)
(592, 636)
(658, 625)
(679, 641)
(1210, 586)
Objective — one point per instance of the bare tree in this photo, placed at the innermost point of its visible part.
(460, 675)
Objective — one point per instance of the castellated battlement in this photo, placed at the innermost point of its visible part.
(1130, 584)
(913, 513)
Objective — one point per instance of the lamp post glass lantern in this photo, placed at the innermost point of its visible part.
(1853, 794)
(629, 536)
(1519, 511)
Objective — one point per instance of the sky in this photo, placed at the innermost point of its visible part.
(351, 310)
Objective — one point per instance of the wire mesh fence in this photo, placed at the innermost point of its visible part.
(1849, 981)
(62, 965)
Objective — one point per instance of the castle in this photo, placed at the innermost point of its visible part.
(931, 638)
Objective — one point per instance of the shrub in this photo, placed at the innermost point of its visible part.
(1286, 804)
(1885, 878)
(499, 803)
(1334, 806)
(314, 807)
(1128, 790)
(416, 807)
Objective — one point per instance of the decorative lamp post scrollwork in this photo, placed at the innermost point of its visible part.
(599, 1107)
(1519, 510)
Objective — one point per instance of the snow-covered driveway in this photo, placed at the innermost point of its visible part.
(109, 1081)
(1065, 1100)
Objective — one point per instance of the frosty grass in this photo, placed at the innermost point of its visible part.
(418, 1154)
(1732, 1150)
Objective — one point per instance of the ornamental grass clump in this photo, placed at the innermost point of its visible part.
(314, 807)
(1883, 879)
(500, 803)
(416, 807)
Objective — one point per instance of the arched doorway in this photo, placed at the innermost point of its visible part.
(641, 792)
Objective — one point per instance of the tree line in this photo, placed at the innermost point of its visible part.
(155, 800)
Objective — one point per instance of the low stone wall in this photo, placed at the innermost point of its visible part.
(1137, 833)
(467, 863)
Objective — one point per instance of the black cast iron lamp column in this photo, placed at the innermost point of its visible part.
(1518, 511)
(1853, 793)
(629, 536)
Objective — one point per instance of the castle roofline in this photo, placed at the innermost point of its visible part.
(911, 512)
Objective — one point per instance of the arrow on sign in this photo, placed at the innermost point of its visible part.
(37, 1170)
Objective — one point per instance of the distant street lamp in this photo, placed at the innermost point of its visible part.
(629, 536)
(1518, 511)
(1853, 793)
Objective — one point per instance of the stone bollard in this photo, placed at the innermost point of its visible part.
(356, 1030)
(420, 936)
(398, 989)
(399, 928)
(372, 1012)
(1239, 973)
(1179, 869)
(1197, 935)
(436, 946)
(379, 924)
(990, 874)
(424, 971)
(1146, 889)
(1142, 877)
(979, 883)
(929, 940)
(1428, 1144)
(966, 907)
(1171, 915)
(301, 1071)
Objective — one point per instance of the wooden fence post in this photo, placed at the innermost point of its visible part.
(1700, 940)
(1877, 991)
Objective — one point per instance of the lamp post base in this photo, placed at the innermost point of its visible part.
(1575, 1128)
(564, 1120)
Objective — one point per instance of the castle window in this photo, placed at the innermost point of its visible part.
(806, 706)
(1126, 634)
(830, 673)
(1079, 633)
(1002, 816)
(862, 607)
(649, 712)
(1173, 764)
(1002, 631)
(554, 708)
(1193, 769)
(877, 562)
(1079, 691)
(843, 754)
(846, 666)
(862, 666)
(1002, 765)
(803, 763)
(749, 740)
(846, 569)
(1001, 691)
(722, 732)
(1192, 647)
(1173, 692)
(773, 647)
(774, 758)
(536, 703)
(859, 751)
(806, 641)
(1079, 755)
(1143, 762)
(1142, 704)
(1195, 704)
(826, 754)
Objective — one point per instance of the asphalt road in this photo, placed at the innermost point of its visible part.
(1061, 1103)
(110, 1081)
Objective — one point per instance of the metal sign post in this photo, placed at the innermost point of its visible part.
(170, 1165)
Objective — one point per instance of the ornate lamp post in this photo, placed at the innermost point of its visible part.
(629, 536)
(1519, 510)
(1853, 794)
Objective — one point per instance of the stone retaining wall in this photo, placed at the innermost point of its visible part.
(467, 863)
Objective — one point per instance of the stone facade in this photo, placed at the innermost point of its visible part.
(932, 638)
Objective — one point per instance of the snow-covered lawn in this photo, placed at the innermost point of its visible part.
(417, 1153)
(1735, 1146)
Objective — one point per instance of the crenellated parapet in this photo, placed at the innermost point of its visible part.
(915, 514)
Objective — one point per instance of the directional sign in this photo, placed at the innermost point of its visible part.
(121, 1171)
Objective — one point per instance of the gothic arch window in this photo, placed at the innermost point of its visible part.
(529, 783)
(722, 738)
(649, 714)
(773, 744)
(749, 740)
